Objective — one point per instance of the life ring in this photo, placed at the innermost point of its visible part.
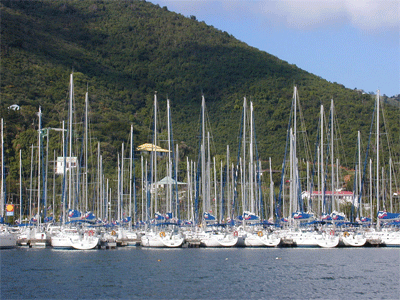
(332, 232)
(260, 233)
(162, 234)
(235, 233)
(113, 232)
(90, 233)
(346, 234)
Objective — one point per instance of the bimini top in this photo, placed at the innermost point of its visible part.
(150, 148)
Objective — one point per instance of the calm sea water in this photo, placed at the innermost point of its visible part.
(237, 273)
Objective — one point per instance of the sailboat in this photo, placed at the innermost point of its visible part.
(7, 239)
(160, 233)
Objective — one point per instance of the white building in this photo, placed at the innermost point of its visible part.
(71, 162)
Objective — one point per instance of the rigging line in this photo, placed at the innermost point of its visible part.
(304, 130)
(279, 202)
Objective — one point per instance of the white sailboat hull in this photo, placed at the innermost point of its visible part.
(328, 241)
(85, 242)
(7, 240)
(218, 240)
(353, 239)
(162, 240)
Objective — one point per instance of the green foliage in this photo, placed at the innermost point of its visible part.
(121, 52)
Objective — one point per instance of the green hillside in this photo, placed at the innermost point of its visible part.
(122, 52)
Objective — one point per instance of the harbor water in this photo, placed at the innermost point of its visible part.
(204, 273)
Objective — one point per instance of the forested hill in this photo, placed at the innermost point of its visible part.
(122, 52)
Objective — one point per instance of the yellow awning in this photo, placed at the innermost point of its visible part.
(150, 147)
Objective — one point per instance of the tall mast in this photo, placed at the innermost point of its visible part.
(359, 169)
(271, 191)
(208, 190)
(131, 177)
(251, 174)
(122, 180)
(228, 194)
(332, 162)
(20, 186)
(377, 158)
(71, 98)
(243, 172)
(169, 158)
(39, 156)
(64, 173)
(294, 160)
(86, 150)
(2, 203)
(203, 155)
(155, 152)
(322, 161)
(119, 191)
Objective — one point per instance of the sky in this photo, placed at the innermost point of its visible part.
(352, 42)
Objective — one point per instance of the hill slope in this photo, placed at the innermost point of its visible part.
(124, 51)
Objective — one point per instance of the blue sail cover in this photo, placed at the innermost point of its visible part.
(168, 215)
(127, 219)
(384, 215)
(208, 217)
(89, 216)
(1, 220)
(248, 216)
(48, 219)
(326, 217)
(299, 215)
(158, 216)
(338, 216)
(73, 214)
(365, 219)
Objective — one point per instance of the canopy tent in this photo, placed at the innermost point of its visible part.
(168, 180)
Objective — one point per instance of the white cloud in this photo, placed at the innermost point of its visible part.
(369, 15)
(374, 15)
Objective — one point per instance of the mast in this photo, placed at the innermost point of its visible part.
(377, 159)
(46, 172)
(189, 186)
(71, 97)
(251, 174)
(322, 161)
(30, 183)
(359, 170)
(203, 155)
(155, 153)
(294, 159)
(20, 186)
(271, 192)
(228, 191)
(39, 156)
(370, 190)
(215, 189)
(390, 185)
(64, 173)
(142, 186)
(131, 178)
(122, 180)
(208, 188)
(332, 162)
(243, 168)
(169, 166)
(119, 191)
(54, 184)
(86, 150)
(2, 170)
